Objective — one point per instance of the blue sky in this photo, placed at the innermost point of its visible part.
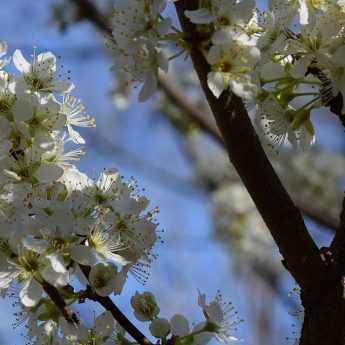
(190, 258)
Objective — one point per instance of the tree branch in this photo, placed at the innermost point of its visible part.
(181, 102)
(177, 98)
(89, 11)
(284, 219)
(338, 243)
(109, 305)
(278, 210)
(106, 302)
(60, 303)
(121, 318)
(280, 214)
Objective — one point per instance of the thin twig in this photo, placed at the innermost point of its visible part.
(121, 318)
(60, 303)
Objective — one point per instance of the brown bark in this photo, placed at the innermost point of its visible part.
(321, 281)
(108, 304)
(324, 317)
(204, 122)
(87, 10)
(324, 320)
(277, 209)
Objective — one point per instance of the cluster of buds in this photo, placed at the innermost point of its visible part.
(220, 321)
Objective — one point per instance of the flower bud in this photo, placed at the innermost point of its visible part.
(145, 306)
(160, 328)
(102, 278)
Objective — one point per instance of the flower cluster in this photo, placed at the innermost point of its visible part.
(65, 237)
(286, 60)
(57, 224)
(138, 32)
(220, 321)
(277, 63)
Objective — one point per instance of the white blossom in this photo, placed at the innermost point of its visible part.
(145, 306)
(38, 76)
(75, 114)
(281, 126)
(231, 65)
(102, 278)
(219, 320)
(160, 328)
(3, 51)
(224, 13)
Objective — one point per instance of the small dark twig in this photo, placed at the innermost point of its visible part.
(87, 10)
(121, 318)
(58, 300)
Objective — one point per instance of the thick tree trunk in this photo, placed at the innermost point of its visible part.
(324, 317)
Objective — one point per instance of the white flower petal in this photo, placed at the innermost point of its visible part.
(62, 86)
(107, 179)
(31, 293)
(6, 278)
(149, 87)
(84, 255)
(35, 245)
(57, 263)
(48, 172)
(45, 63)
(23, 110)
(299, 68)
(179, 325)
(120, 280)
(102, 278)
(272, 71)
(216, 83)
(303, 12)
(75, 136)
(20, 62)
(242, 89)
(222, 37)
(104, 324)
(55, 278)
(160, 328)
